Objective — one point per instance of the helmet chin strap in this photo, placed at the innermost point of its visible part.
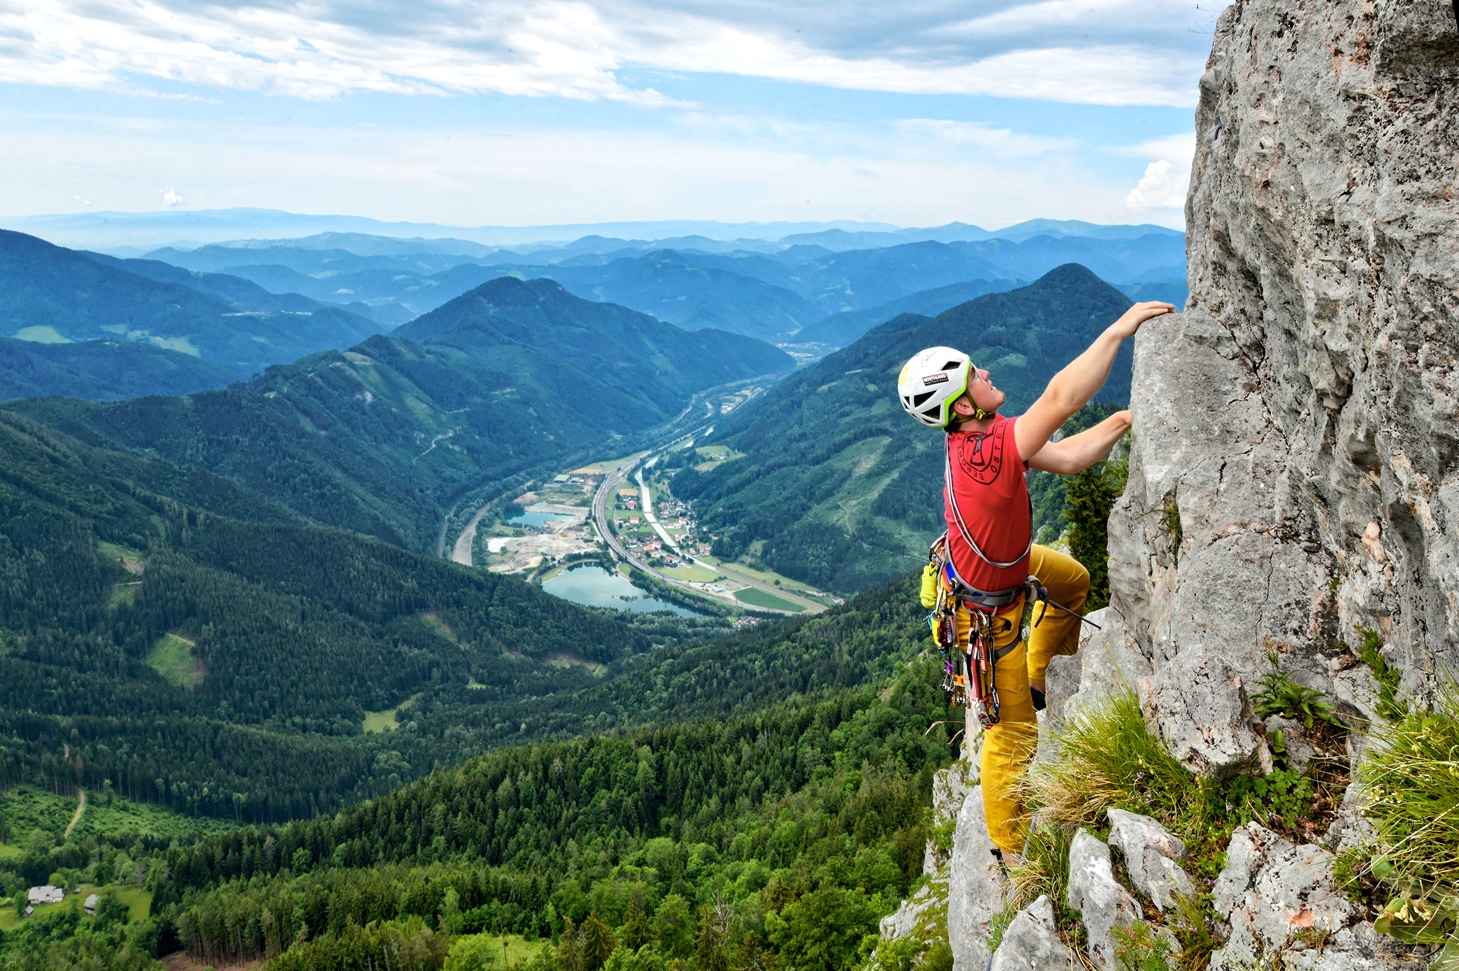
(979, 414)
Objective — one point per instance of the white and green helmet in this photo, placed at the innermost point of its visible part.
(931, 381)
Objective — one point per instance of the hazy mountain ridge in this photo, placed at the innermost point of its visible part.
(80, 298)
(838, 487)
(769, 291)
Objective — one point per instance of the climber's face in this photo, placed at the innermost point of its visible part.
(981, 393)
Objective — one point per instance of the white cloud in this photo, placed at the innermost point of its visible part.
(1083, 52)
(170, 198)
(1163, 187)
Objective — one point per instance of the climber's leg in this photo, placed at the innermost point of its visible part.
(1057, 632)
(1008, 747)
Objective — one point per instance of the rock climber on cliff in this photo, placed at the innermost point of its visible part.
(989, 551)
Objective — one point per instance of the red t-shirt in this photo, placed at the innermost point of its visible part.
(987, 479)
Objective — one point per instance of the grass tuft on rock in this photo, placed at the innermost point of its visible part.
(1107, 757)
(1410, 777)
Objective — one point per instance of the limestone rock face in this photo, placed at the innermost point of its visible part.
(1101, 902)
(1198, 706)
(976, 887)
(1295, 468)
(1108, 660)
(1272, 893)
(1031, 942)
(950, 787)
(1150, 854)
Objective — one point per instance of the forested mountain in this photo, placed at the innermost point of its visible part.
(102, 370)
(838, 487)
(777, 839)
(841, 329)
(54, 295)
(382, 438)
(200, 647)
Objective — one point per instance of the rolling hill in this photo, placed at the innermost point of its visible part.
(838, 487)
(54, 295)
(102, 370)
(842, 328)
(382, 438)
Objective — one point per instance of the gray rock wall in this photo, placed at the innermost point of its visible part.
(1295, 468)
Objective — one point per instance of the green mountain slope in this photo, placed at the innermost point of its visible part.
(838, 487)
(195, 645)
(841, 329)
(383, 438)
(102, 370)
(50, 294)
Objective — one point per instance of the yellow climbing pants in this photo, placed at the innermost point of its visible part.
(1008, 747)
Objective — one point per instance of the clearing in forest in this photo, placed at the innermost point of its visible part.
(172, 657)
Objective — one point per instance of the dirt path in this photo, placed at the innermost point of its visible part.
(80, 808)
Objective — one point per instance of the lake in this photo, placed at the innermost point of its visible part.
(528, 517)
(593, 586)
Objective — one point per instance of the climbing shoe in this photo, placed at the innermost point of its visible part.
(1039, 704)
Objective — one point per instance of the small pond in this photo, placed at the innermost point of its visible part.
(593, 586)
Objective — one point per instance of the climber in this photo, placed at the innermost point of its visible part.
(989, 543)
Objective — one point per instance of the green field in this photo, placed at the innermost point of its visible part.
(611, 465)
(693, 574)
(172, 657)
(138, 901)
(756, 597)
(27, 808)
(519, 950)
(8, 851)
(387, 720)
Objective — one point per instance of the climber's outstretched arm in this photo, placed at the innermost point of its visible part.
(1078, 452)
(1079, 381)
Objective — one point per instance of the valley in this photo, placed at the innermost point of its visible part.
(222, 625)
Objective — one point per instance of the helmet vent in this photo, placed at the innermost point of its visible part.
(952, 365)
(917, 401)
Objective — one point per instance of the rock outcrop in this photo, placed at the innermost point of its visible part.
(1151, 856)
(977, 888)
(1031, 942)
(1103, 905)
(1295, 469)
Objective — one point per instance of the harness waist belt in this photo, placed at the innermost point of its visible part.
(983, 599)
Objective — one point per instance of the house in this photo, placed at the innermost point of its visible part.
(90, 904)
(46, 895)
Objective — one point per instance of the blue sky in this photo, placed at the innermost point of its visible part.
(527, 113)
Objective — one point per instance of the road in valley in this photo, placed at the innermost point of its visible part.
(600, 518)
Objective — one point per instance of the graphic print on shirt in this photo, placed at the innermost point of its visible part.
(981, 456)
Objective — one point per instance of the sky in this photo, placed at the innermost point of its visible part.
(915, 113)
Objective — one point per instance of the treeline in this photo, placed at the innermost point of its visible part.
(791, 830)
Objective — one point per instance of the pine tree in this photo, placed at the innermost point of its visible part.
(598, 942)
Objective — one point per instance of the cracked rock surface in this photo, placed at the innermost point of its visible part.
(1031, 942)
(976, 887)
(1271, 892)
(1295, 466)
(1199, 709)
(1101, 902)
(1151, 857)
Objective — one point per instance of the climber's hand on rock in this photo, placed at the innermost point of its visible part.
(1137, 315)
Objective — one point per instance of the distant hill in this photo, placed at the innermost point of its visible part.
(838, 487)
(841, 329)
(54, 295)
(382, 438)
(767, 290)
